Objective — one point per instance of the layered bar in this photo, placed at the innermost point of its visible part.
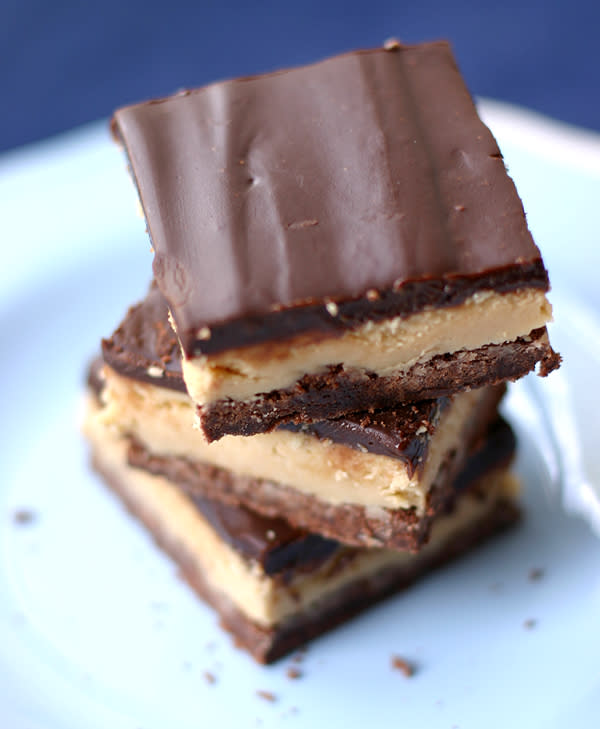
(335, 238)
(276, 587)
(367, 479)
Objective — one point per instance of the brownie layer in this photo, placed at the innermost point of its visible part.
(365, 185)
(338, 391)
(303, 599)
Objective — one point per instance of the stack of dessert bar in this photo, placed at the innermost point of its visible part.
(304, 408)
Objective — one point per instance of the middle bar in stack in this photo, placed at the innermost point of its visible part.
(368, 479)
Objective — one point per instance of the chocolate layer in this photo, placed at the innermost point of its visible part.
(496, 449)
(402, 432)
(144, 346)
(272, 542)
(367, 180)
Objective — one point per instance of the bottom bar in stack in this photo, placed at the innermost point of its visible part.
(276, 587)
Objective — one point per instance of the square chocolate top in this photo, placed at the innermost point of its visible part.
(366, 180)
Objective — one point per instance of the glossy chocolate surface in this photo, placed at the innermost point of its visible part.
(273, 543)
(367, 179)
(402, 432)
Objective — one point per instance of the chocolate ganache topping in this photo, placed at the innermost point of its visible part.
(366, 180)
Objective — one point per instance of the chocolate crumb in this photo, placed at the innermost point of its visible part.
(402, 665)
(267, 696)
(530, 623)
(209, 677)
(535, 574)
(24, 516)
(293, 673)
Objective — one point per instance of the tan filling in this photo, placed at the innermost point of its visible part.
(261, 598)
(160, 420)
(385, 348)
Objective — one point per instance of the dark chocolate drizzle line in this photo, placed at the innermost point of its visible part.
(401, 433)
(411, 298)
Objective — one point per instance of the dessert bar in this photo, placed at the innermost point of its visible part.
(375, 479)
(334, 238)
(276, 587)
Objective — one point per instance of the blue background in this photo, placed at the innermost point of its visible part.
(65, 63)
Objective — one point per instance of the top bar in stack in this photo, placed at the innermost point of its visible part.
(334, 238)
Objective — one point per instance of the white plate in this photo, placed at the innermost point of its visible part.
(96, 630)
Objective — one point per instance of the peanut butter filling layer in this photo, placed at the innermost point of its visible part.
(385, 348)
(265, 599)
(337, 474)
